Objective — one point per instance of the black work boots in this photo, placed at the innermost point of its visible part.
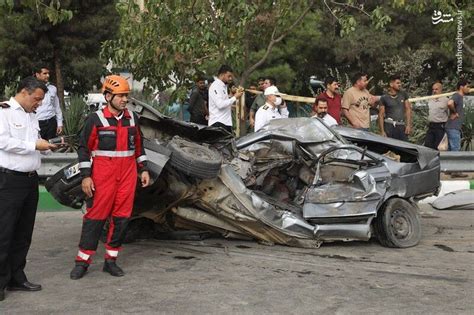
(111, 267)
(79, 270)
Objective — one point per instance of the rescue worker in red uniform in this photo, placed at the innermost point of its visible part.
(110, 154)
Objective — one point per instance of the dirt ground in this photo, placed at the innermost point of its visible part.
(220, 276)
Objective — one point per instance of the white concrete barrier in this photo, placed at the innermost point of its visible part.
(448, 186)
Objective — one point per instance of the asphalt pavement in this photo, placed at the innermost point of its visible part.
(218, 276)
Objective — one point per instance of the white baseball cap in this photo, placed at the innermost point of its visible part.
(272, 90)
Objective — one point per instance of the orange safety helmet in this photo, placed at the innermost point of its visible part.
(115, 84)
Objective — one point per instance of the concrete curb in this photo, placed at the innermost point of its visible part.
(448, 186)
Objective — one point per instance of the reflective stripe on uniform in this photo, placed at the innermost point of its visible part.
(102, 118)
(85, 164)
(132, 120)
(142, 158)
(113, 153)
(83, 255)
(111, 253)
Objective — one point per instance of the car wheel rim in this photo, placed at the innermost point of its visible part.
(401, 224)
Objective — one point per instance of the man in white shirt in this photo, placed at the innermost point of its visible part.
(49, 113)
(220, 105)
(259, 100)
(273, 108)
(19, 159)
(437, 117)
(322, 112)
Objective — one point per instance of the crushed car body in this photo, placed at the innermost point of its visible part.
(296, 182)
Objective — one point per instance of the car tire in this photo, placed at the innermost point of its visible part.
(52, 180)
(73, 197)
(398, 224)
(139, 229)
(194, 159)
(67, 192)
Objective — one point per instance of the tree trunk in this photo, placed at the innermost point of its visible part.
(59, 78)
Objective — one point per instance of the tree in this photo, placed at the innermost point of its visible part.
(53, 12)
(70, 46)
(169, 41)
(368, 48)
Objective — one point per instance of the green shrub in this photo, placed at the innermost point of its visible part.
(76, 111)
(419, 124)
(468, 129)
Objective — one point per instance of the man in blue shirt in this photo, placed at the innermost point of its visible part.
(456, 116)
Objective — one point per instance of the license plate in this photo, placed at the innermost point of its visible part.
(72, 171)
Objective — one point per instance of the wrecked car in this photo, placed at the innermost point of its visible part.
(296, 182)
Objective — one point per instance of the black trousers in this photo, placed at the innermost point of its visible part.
(219, 124)
(48, 128)
(18, 202)
(395, 132)
(434, 135)
(198, 119)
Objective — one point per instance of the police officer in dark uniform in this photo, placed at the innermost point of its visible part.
(20, 148)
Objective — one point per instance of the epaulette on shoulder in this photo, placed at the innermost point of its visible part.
(4, 105)
(265, 107)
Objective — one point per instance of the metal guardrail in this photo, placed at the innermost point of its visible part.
(462, 161)
(450, 162)
(52, 163)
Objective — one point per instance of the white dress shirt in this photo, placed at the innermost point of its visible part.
(50, 106)
(266, 113)
(220, 105)
(19, 131)
(328, 120)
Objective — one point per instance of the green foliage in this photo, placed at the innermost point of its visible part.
(343, 79)
(73, 116)
(468, 129)
(170, 41)
(419, 124)
(68, 46)
(52, 12)
(460, 10)
(410, 65)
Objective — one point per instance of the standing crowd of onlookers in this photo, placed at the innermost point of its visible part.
(213, 107)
